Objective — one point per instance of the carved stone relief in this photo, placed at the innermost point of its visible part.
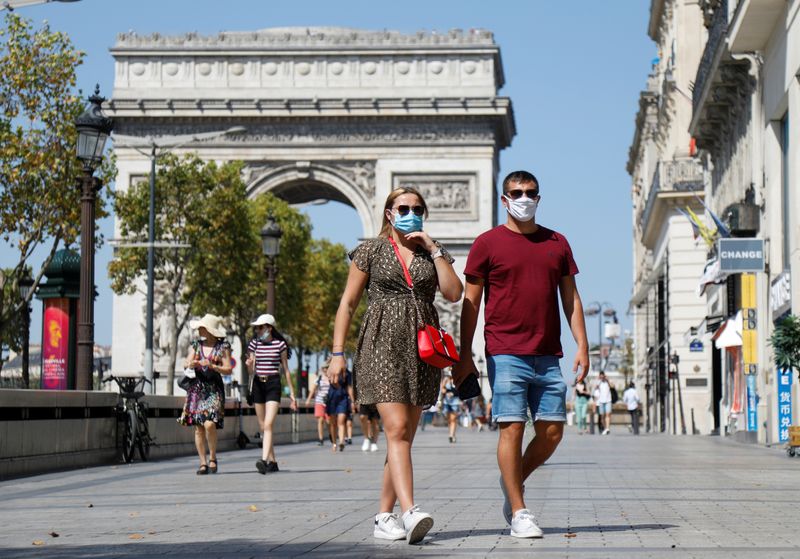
(449, 197)
(359, 173)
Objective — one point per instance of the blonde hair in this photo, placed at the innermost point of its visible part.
(386, 226)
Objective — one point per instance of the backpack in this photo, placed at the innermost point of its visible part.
(614, 395)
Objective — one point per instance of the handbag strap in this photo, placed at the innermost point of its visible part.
(402, 263)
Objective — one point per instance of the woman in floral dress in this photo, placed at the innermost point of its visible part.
(210, 358)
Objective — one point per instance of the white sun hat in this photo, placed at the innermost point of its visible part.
(212, 323)
(264, 319)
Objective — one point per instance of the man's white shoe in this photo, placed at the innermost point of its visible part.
(373, 447)
(607, 432)
(417, 524)
(523, 525)
(365, 445)
(506, 503)
(388, 527)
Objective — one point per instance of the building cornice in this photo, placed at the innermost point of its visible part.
(648, 100)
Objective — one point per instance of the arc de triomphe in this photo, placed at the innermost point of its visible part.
(331, 113)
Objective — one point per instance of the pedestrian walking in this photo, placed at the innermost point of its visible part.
(604, 402)
(401, 270)
(523, 267)
(479, 412)
(338, 407)
(582, 397)
(450, 405)
(209, 358)
(319, 393)
(631, 399)
(267, 353)
(370, 426)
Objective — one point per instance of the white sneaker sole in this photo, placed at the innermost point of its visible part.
(419, 530)
(381, 535)
(531, 534)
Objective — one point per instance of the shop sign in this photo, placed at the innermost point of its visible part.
(784, 404)
(752, 412)
(741, 255)
(781, 294)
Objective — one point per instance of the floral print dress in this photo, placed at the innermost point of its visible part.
(205, 397)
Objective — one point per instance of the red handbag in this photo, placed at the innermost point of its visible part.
(436, 347)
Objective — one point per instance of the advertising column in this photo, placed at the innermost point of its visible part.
(55, 344)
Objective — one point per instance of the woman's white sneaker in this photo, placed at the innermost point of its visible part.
(523, 525)
(417, 524)
(365, 445)
(388, 527)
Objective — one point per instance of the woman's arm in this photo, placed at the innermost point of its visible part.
(285, 365)
(449, 283)
(225, 367)
(189, 361)
(356, 282)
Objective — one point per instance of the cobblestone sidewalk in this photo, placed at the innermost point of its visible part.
(614, 496)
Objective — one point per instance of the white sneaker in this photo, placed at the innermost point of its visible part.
(523, 525)
(507, 514)
(607, 432)
(365, 445)
(388, 527)
(373, 447)
(417, 524)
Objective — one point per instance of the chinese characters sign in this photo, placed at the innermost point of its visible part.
(784, 404)
(55, 344)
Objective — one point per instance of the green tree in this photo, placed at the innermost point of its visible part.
(785, 341)
(194, 206)
(39, 172)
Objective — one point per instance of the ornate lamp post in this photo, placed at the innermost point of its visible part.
(93, 130)
(25, 286)
(601, 310)
(271, 235)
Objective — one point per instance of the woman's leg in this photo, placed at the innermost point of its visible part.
(399, 427)
(200, 443)
(261, 410)
(341, 421)
(452, 422)
(211, 436)
(332, 430)
(268, 451)
(321, 427)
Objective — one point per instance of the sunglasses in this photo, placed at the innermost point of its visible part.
(517, 193)
(403, 210)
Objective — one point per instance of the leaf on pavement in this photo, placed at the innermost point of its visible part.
(38, 542)
(253, 508)
(89, 506)
(348, 470)
(570, 535)
(135, 537)
(54, 534)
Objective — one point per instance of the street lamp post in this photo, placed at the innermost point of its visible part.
(155, 148)
(601, 310)
(10, 5)
(271, 245)
(93, 130)
(25, 286)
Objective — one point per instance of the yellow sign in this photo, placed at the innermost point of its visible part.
(749, 324)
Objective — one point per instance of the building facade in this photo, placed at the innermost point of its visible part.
(330, 114)
(744, 136)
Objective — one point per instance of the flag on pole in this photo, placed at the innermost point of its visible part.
(723, 231)
(695, 228)
(708, 235)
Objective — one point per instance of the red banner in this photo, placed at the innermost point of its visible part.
(55, 344)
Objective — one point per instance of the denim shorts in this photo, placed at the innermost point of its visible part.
(523, 382)
(604, 408)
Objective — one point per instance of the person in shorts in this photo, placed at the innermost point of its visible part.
(370, 426)
(267, 353)
(319, 392)
(523, 268)
(338, 407)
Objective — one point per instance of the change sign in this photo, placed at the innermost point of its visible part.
(741, 255)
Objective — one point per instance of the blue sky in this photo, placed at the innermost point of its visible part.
(573, 71)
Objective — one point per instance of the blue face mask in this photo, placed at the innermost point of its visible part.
(408, 223)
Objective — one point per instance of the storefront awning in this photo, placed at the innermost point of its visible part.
(730, 333)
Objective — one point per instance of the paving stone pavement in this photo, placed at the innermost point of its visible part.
(599, 496)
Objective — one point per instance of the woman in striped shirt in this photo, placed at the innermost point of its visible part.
(267, 353)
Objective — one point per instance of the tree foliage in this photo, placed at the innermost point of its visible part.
(197, 204)
(785, 340)
(39, 171)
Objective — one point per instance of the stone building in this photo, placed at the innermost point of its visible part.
(743, 93)
(330, 113)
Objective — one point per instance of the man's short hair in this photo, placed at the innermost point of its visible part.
(521, 177)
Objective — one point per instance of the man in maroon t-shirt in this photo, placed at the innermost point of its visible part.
(522, 267)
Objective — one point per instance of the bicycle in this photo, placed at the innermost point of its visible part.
(133, 415)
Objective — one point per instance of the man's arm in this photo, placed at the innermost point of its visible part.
(469, 320)
(573, 310)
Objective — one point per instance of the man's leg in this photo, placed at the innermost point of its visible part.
(542, 447)
(509, 458)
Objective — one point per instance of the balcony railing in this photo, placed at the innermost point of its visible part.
(716, 39)
(680, 175)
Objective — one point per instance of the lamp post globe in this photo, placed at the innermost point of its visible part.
(93, 130)
(271, 235)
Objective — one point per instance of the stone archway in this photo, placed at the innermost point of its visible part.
(349, 182)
